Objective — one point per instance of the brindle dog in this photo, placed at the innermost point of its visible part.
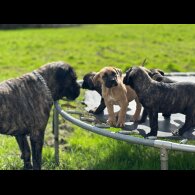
(88, 84)
(25, 105)
(162, 97)
(157, 75)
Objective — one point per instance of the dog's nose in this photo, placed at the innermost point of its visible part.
(113, 81)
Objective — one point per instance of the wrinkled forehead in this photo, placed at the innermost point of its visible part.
(90, 75)
(145, 69)
(108, 71)
(134, 70)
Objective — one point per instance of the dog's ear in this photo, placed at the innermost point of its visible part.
(60, 75)
(149, 72)
(126, 78)
(97, 79)
(118, 72)
(161, 72)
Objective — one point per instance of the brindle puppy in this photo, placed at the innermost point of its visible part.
(162, 97)
(88, 84)
(25, 105)
(157, 75)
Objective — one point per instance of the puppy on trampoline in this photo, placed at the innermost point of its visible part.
(162, 97)
(88, 84)
(114, 92)
(157, 75)
(25, 105)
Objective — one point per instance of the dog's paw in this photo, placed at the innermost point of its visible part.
(120, 123)
(27, 166)
(176, 132)
(111, 122)
(135, 119)
(95, 111)
(92, 111)
(151, 135)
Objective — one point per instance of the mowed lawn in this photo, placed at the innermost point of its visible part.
(89, 48)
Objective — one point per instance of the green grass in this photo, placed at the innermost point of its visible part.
(89, 48)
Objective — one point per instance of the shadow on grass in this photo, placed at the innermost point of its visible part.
(130, 157)
(136, 157)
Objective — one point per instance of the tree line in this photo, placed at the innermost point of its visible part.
(15, 26)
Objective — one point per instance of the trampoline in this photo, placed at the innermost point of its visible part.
(127, 134)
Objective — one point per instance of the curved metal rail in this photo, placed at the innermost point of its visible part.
(127, 138)
(163, 145)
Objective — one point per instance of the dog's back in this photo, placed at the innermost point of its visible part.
(171, 97)
(14, 94)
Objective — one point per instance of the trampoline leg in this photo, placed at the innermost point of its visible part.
(164, 159)
(56, 134)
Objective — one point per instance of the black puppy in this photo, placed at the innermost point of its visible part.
(157, 75)
(158, 97)
(88, 84)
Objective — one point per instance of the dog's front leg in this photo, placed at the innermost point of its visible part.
(122, 114)
(111, 116)
(137, 111)
(143, 117)
(25, 150)
(189, 123)
(153, 118)
(37, 144)
(100, 108)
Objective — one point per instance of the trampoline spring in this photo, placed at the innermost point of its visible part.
(87, 119)
(102, 125)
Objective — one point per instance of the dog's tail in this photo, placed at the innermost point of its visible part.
(144, 62)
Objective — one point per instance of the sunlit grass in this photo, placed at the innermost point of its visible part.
(89, 48)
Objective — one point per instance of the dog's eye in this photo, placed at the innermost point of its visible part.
(113, 74)
(104, 76)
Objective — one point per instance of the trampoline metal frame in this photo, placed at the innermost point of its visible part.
(164, 146)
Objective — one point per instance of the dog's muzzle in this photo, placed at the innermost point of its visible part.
(111, 83)
(72, 92)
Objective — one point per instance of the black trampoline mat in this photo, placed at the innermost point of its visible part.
(92, 100)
